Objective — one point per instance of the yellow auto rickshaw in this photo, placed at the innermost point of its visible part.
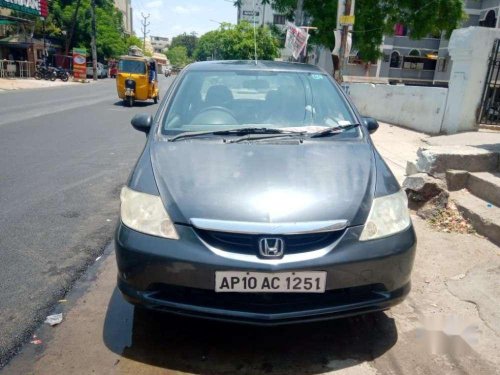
(137, 79)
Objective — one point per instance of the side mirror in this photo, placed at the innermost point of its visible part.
(142, 122)
(371, 124)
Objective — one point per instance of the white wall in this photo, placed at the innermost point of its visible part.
(414, 107)
(469, 49)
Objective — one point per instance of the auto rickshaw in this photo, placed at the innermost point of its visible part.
(137, 79)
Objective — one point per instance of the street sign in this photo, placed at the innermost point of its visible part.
(296, 39)
(346, 20)
(80, 63)
(36, 7)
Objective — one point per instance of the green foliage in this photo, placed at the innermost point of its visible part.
(178, 56)
(190, 41)
(374, 18)
(231, 42)
(111, 40)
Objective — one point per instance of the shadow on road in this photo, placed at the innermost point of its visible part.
(198, 346)
(138, 104)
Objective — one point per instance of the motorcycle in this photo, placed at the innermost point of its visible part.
(44, 72)
(60, 73)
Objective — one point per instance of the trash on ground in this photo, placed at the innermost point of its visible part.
(96, 259)
(62, 301)
(54, 319)
(458, 277)
(36, 342)
(449, 220)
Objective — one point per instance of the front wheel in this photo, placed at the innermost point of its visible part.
(38, 76)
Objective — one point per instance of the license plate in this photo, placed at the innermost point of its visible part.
(261, 282)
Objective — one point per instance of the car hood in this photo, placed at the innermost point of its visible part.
(265, 183)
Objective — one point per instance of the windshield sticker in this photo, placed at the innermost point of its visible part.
(317, 76)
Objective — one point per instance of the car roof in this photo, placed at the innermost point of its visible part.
(260, 65)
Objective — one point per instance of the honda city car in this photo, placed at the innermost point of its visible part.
(260, 198)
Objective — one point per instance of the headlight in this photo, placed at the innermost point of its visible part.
(388, 215)
(145, 213)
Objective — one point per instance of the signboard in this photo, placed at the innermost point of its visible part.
(296, 39)
(79, 63)
(341, 14)
(36, 7)
(346, 20)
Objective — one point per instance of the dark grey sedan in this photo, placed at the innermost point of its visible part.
(260, 198)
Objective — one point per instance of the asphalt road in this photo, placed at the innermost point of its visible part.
(64, 154)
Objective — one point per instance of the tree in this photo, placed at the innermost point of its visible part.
(374, 18)
(231, 42)
(190, 41)
(111, 40)
(178, 56)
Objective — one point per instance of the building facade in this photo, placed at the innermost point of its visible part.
(424, 61)
(125, 6)
(262, 14)
(159, 43)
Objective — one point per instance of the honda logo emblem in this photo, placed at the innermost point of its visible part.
(271, 247)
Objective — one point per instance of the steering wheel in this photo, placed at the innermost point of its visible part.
(214, 115)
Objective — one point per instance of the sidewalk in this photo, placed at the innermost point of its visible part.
(8, 84)
(397, 146)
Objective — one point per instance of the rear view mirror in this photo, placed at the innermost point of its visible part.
(371, 124)
(142, 122)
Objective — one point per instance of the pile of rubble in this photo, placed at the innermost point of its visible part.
(430, 198)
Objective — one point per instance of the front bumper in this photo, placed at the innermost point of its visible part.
(179, 277)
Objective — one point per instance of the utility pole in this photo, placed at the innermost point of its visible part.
(145, 23)
(93, 41)
(299, 21)
(343, 44)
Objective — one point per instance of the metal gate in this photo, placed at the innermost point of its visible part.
(489, 112)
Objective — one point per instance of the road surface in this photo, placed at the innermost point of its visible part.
(65, 152)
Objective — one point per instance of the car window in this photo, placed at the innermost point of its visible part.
(131, 66)
(215, 100)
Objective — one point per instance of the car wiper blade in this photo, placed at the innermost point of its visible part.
(333, 130)
(257, 137)
(241, 131)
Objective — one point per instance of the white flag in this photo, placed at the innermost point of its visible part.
(296, 39)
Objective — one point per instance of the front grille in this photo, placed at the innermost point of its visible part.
(243, 243)
(265, 302)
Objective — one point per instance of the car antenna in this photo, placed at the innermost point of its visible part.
(255, 33)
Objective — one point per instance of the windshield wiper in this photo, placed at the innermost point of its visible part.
(241, 131)
(333, 130)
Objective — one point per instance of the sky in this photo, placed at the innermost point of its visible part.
(173, 17)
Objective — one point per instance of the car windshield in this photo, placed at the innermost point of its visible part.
(226, 100)
(131, 66)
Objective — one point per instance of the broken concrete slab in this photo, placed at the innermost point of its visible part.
(484, 217)
(421, 187)
(456, 180)
(436, 160)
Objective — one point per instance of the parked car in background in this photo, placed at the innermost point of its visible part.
(113, 70)
(260, 198)
(102, 72)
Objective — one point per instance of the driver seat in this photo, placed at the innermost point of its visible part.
(219, 96)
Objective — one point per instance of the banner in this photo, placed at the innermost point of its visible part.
(36, 7)
(296, 39)
(80, 63)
